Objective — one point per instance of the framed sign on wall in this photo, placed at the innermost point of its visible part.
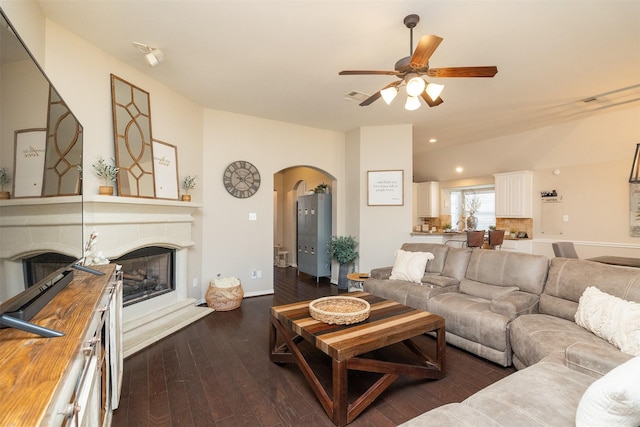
(28, 169)
(385, 188)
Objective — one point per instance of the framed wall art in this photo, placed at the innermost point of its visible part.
(385, 188)
(165, 168)
(30, 145)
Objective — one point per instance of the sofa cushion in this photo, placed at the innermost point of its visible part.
(501, 268)
(471, 318)
(410, 266)
(546, 394)
(610, 318)
(568, 278)
(455, 265)
(482, 290)
(438, 250)
(613, 400)
(536, 336)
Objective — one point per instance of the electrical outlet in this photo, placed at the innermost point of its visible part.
(259, 274)
(253, 216)
(565, 218)
(195, 282)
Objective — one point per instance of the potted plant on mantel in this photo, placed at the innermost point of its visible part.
(188, 184)
(108, 174)
(4, 180)
(343, 250)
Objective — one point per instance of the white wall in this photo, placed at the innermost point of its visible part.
(383, 229)
(233, 245)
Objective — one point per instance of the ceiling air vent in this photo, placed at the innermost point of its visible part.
(356, 96)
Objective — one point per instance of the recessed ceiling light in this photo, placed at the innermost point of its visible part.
(459, 169)
(432, 140)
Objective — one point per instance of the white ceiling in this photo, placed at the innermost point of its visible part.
(280, 59)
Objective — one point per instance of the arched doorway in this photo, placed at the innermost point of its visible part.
(289, 183)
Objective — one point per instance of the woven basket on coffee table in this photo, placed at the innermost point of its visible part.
(339, 310)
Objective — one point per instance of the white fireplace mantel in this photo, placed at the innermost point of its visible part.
(63, 224)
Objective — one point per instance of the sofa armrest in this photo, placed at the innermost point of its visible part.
(381, 273)
(594, 359)
(515, 303)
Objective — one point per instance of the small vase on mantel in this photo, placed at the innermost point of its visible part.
(186, 197)
(105, 190)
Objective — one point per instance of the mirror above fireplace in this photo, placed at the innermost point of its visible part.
(48, 219)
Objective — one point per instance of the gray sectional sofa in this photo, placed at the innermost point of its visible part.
(519, 309)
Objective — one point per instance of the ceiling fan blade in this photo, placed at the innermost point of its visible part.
(371, 99)
(488, 71)
(429, 102)
(426, 46)
(360, 72)
(378, 94)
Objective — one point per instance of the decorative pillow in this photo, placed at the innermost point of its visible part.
(614, 399)
(611, 318)
(410, 266)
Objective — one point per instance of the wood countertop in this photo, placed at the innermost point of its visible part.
(34, 368)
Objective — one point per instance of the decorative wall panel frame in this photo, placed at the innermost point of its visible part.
(132, 138)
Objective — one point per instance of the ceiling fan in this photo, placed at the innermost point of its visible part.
(412, 68)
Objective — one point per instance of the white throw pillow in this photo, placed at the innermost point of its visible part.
(410, 266)
(614, 399)
(611, 318)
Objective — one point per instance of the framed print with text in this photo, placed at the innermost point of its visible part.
(385, 188)
(28, 169)
(165, 168)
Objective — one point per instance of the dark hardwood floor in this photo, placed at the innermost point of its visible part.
(217, 372)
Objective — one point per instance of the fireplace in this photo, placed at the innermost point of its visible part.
(124, 225)
(147, 273)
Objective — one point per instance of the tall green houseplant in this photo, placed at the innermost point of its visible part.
(343, 250)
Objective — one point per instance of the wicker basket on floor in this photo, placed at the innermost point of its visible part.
(224, 294)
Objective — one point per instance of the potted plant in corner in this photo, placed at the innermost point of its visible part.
(107, 173)
(343, 250)
(4, 180)
(188, 184)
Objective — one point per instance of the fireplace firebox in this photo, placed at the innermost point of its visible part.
(147, 273)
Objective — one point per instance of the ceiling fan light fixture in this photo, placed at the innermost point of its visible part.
(434, 90)
(413, 103)
(389, 94)
(415, 85)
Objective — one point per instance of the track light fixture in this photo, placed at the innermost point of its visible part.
(152, 55)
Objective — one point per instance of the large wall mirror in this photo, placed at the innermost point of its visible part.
(35, 118)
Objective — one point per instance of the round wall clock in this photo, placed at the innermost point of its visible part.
(241, 179)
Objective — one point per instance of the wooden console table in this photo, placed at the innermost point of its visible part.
(70, 380)
(389, 323)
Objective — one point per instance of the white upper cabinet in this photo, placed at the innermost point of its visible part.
(428, 199)
(514, 194)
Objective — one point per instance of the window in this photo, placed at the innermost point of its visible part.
(486, 213)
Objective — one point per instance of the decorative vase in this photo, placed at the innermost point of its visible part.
(105, 190)
(343, 282)
(5, 195)
(186, 197)
(472, 222)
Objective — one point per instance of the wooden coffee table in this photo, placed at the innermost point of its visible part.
(389, 323)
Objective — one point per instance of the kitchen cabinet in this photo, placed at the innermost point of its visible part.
(74, 379)
(524, 246)
(314, 235)
(514, 194)
(428, 199)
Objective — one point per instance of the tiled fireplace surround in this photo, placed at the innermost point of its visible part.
(123, 225)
